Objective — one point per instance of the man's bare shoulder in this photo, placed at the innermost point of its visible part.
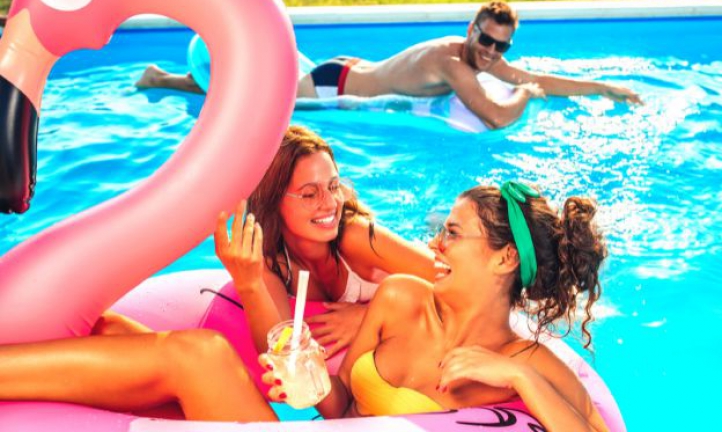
(449, 46)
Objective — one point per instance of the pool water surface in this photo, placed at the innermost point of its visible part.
(655, 171)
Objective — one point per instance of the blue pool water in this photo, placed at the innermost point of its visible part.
(655, 170)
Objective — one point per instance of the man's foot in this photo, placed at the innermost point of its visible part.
(151, 77)
(155, 77)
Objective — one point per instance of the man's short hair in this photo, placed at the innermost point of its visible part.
(500, 12)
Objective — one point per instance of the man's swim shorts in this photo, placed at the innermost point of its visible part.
(329, 77)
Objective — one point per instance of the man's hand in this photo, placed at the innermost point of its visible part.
(534, 90)
(338, 326)
(620, 94)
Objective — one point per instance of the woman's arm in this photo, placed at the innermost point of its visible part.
(339, 403)
(386, 250)
(550, 383)
(550, 406)
(547, 386)
(261, 292)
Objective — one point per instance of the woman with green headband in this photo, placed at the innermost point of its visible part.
(449, 344)
(436, 346)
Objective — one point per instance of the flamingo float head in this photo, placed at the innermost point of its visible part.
(80, 266)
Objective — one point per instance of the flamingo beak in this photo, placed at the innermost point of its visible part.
(18, 148)
(24, 66)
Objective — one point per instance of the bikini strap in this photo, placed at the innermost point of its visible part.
(288, 265)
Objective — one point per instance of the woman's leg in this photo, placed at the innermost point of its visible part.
(198, 368)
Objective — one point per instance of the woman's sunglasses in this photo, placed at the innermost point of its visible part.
(487, 41)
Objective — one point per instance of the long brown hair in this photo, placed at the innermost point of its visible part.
(569, 252)
(264, 202)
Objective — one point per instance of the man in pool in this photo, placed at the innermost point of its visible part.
(441, 66)
(451, 64)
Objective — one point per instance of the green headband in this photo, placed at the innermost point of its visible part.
(515, 193)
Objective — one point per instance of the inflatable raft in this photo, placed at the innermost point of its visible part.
(188, 300)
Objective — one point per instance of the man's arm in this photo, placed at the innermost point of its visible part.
(495, 114)
(555, 85)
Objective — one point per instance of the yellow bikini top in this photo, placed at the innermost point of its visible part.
(374, 396)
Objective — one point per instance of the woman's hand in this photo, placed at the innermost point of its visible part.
(276, 393)
(478, 364)
(242, 255)
(338, 326)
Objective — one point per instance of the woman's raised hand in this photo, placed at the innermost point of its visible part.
(242, 254)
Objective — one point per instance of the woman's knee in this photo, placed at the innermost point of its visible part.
(200, 351)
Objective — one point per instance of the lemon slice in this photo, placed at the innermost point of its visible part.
(283, 339)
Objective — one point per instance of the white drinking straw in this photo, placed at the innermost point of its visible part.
(301, 291)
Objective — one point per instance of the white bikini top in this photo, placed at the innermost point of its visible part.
(358, 290)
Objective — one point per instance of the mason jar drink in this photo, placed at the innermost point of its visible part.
(302, 370)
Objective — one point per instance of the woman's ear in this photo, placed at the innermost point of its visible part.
(508, 259)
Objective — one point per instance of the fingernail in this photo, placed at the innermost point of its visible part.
(443, 389)
(269, 366)
(278, 381)
(283, 396)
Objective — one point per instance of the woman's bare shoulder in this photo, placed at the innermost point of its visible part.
(403, 296)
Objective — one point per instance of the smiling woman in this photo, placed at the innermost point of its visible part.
(308, 220)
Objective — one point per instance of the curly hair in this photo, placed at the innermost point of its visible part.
(569, 252)
(500, 12)
(298, 142)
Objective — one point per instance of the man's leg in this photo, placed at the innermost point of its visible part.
(306, 88)
(155, 77)
(199, 369)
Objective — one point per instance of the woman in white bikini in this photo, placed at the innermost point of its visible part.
(311, 220)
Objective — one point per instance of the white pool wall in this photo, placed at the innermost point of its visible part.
(554, 10)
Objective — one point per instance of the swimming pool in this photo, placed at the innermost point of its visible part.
(655, 170)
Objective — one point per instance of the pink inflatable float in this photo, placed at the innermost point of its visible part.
(99, 255)
(184, 300)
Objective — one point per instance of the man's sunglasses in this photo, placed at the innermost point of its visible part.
(487, 41)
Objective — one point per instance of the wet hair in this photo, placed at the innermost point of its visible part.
(298, 142)
(500, 12)
(569, 252)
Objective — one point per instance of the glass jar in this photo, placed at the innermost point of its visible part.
(302, 370)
